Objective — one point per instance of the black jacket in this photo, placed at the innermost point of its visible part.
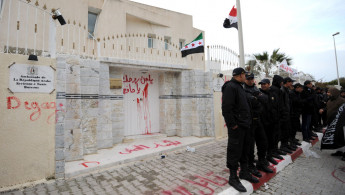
(253, 94)
(285, 106)
(308, 98)
(296, 104)
(235, 108)
(266, 101)
(276, 102)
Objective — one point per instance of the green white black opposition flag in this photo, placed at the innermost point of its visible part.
(196, 46)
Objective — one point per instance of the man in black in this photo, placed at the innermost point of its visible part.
(257, 133)
(268, 100)
(296, 111)
(237, 116)
(285, 124)
(308, 110)
(274, 128)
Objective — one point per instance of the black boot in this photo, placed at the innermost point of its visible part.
(290, 147)
(271, 160)
(277, 156)
(264, 168)
(285, 149)
(246, 175)
(253, 170)
(280, 152)
(234, 181)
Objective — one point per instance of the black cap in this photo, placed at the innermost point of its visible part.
(288, 79)
(307, 82)
(238, 71)
(297, 85)
(264, 81)
(249, 75)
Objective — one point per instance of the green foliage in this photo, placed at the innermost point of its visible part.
(271, 60)
(332, 82)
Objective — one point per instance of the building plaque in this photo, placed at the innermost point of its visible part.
(217, 84)
(115, 83)
(31, 79)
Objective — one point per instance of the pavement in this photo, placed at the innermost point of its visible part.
(178, 171)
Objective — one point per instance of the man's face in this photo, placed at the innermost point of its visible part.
(243, 77)
(288, 85)
(265, 86)
(299, 89)
(342, 94)
(249, 81)
(310, 85)
(329, 94)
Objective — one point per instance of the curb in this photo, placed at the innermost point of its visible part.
(276, 168)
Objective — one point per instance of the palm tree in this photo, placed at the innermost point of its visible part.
(272, 60)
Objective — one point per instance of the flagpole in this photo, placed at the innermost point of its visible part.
(240, 33)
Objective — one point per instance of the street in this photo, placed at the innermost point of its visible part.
(200, 172)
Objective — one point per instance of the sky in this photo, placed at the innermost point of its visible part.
(302, 29)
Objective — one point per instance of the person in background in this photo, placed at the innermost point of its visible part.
(333, 104)
(296, 111)
(308, 110)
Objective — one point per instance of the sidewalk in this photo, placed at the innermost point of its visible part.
(135, 148)
(180, 172)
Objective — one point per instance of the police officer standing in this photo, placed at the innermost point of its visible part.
(296, 111)
(257, 133)
(236, 112)
(285, 117)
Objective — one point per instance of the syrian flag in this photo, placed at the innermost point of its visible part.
(231, 21)
(196, 46)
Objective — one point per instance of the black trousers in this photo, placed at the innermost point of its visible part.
(238, 148)
(285, 132)
(295, 126)
(258, 136)
(273, 134)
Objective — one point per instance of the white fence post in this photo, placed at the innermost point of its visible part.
(52, 38)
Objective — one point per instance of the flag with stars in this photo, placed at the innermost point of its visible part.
(231, 21)
(196, 46)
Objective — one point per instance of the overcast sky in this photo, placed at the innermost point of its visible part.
(300, 28)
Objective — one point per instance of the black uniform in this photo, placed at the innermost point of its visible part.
(236, 111)
(295, 112)
(268, 100)
(257, 133)
(276, 109)
(285, 124)
(307, 96)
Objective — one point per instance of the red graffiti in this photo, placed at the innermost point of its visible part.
(143, 147)
(36, 108)
(147, 116)
(168, 143)
(136, 81)
(204, 182)
(180, 190)
(342, 169)
(84, 163)
(136, 148)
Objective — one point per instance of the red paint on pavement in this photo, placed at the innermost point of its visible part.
(84, 163)
(342, 169)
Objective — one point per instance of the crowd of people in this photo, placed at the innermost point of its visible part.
(269, 118)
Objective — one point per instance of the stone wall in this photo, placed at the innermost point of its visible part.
(94, 117)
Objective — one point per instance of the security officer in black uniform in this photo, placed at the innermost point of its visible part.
(285, 124)
(237, 116)
(276, 102)
(296, 111)
(257, 133)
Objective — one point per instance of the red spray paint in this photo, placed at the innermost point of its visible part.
(147, 117)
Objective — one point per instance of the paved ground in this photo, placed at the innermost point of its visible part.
(201, 172)
(309, 176)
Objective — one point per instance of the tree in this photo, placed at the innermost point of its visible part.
(268, 61)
